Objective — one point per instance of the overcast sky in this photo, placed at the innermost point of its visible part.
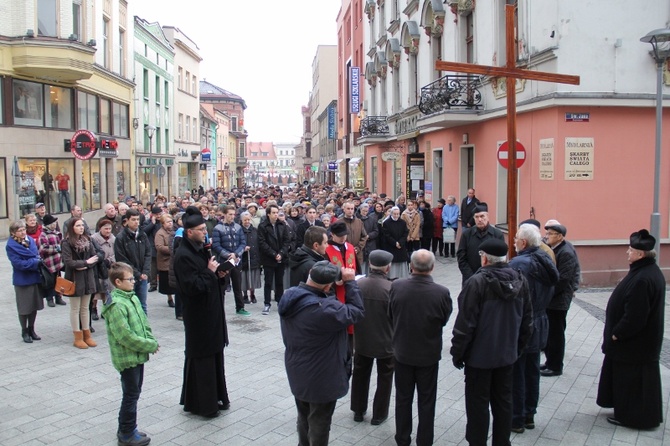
(261, 50)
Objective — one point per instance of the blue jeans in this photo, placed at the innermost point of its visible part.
(526, 388)
(141, 288)
(64, 195)
(131, 385)
(314, 422)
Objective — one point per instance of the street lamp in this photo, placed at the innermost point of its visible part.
(660, 44)
(150, 129)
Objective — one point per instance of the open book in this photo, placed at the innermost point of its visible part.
(228, 265)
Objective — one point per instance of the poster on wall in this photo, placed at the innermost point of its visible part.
(579, 160)
(547, 159)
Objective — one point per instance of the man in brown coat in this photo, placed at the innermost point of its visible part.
(356, 234)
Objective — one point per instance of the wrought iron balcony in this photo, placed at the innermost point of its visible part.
(449, 92)
(374, 126)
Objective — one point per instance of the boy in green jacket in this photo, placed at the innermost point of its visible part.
(130, 342)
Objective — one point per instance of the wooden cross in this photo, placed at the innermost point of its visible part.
(511, 72)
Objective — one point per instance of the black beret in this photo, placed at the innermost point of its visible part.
(642, 240)
(156, 210)
(558, 228)
(324, 272)
(531, 221)
(379, 257)
(192, 218)
(494, 247)
(442, 200)
(48, 219)
(339, 228)
(481, 207)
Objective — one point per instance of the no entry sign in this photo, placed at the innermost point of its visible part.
(503, 154)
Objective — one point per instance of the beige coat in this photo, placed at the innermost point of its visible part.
(413, 224)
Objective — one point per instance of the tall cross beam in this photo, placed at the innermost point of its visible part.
(511, 72)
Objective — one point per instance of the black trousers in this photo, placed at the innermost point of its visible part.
(131, 385)
(360, 385)
(153, 274)
(236, 282)
(555, 349)
(273, 274)
(438, 245)
(484, 387)
(424, 379)
(314, 422)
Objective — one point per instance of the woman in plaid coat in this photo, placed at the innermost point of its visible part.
(49, 248)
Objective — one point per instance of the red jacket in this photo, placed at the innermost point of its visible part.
(335, 256)
(437, 229)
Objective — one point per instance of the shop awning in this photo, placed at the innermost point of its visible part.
(354, 161)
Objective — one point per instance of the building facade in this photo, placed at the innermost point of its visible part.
(153, 123)
(186, 109)
(64, 68)
(263, 164)
(286, 163)
(438, 134)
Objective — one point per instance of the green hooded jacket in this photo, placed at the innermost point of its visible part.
(130, 337)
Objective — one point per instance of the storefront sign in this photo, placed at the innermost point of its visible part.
(109, 148)
(331, 122)
(355, 98)
(406, 125)
(391, 156)
(547, 159)
(332, 165)
(579, 158)
(83, 145)
(577, 117)
(205, 154)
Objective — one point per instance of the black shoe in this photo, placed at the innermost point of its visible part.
(266, 309)
(92, 329)
(212, 415)
(59, 300)
(246, 300)
(33, 335)
(530, 422)
(614, 421)
(94, 314)
(253, 299)
(543, 366)
(378, 421)
(170, 303)
(26, 336)
(549, 372)
(50, 302)
(225, 406)
(518, 430)
(152, 289)
(358, 416)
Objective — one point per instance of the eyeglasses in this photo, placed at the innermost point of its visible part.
(552, 234)
(129, 279)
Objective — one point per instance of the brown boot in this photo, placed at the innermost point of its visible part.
(88, 339)
(79, 340)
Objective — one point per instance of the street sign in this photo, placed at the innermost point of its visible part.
(503, 153)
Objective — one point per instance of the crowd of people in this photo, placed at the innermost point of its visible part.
(310, 245)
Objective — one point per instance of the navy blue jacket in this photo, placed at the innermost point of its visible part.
(314, 330)
(228, 239)
(25, 262)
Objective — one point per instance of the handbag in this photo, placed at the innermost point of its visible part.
(47, 279)
(64, 286)
(449, 235)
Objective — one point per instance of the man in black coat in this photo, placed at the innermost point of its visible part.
(373, 341)
(310, 220)
(274, 245)
(557, 311)
(204, 389)
(494, 324)
(418, 308)
(132, 247)
(469, 260)
(468, 209)
(630, 380)
(312, 250)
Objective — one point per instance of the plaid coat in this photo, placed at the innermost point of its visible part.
(49, 246)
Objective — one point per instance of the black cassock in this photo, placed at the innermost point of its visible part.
(630, 379)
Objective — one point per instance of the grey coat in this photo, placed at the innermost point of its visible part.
(84, 280)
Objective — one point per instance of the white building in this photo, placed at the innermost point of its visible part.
(287, 170)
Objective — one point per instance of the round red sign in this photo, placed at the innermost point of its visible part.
(83, 145)
(503, 154)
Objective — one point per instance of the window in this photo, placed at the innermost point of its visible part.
(1, 102)
(122, 170)
(159, 142)
(166, 89)
(77, 27)
(122, 53)
(3, 188)
(105, 116)
(47, 18)
(469, 38)
(90, 185)
(179, 76)
(87, 111)
(243, 150)
(158, 90)
(194, 83)
(180, 127)
(195, 129)
(105, 43)
(48, 181)
(120, 117)
(187, 81)
(28, 103)
(187, 136)
(233, 123)
(145, 81)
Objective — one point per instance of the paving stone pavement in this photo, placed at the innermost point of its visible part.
(54, 394)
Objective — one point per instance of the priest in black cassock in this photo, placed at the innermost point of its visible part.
(630, 379)
(204, 389)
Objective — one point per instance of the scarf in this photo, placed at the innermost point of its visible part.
(32, 230)
(80, 244)
(22, 241)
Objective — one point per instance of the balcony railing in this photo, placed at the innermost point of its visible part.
(451, 91)
(374, 126)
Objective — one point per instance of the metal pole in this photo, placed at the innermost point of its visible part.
(655, 225)
(151, 167)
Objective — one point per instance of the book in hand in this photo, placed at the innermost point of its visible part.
(226, 265)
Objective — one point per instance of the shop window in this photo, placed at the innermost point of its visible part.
(28, 103)
(122, 181)
(1, 102)
(90, 185)
(48, 181)
(3, 187)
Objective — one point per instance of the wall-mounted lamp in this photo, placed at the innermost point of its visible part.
(466, 138)
(136, 123)
(30, 33)
(92, 42)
